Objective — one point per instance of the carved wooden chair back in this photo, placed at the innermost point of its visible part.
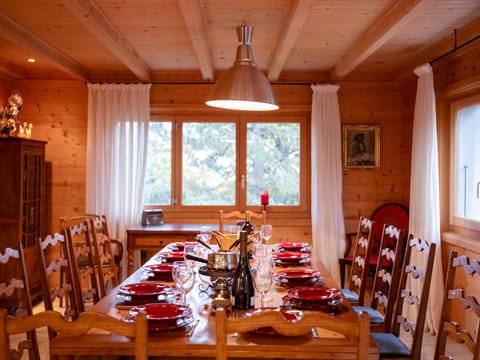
(137, 331)
(15, 301)
(387, 274)
(79, 239)
(460, 318)
(410, 304)
(238, 217)
(101, 228)
(355, 293)
(386, 280)
(56, 277)
(107, 274)
(357, 332)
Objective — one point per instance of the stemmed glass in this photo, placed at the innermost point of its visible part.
(190, 250)
(184, 276)
(266, 232)
(263, 278)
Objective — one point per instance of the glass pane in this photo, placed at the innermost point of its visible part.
(468, 163)
(273, 162)
(158, 177)
(209, 163)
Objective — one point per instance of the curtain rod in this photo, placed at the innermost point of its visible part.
(455, 47)
(187, 83)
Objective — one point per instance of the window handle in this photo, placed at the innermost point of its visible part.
(478, 189)
(242, 182)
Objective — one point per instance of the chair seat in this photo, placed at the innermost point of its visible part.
(375, 317)
(350, 295)
(390, 345)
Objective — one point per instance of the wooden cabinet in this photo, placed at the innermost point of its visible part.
(22, 205)
(150, 239)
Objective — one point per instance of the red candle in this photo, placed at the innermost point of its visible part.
(264, 197)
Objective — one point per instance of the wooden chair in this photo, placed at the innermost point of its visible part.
(390, 213)
(101, 227)
(387, 277)
(239, 218)
(15, 300)
(107, 273)
(460, 318)
(355, 293)
(358, 332)
(56, 277)
(389, 343)
(79, 239)
(135, 332)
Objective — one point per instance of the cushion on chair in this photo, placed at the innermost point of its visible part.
(375, 317)
(390, 345)
(350, 295)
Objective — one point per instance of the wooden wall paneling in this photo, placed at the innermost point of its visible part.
(58, 111)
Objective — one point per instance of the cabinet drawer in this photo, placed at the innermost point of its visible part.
(159, 241)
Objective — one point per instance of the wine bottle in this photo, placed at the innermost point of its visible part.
(247, 226)
(243, 291)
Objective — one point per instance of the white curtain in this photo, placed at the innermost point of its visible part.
(424, 220)
(118, 116)
(328, 228)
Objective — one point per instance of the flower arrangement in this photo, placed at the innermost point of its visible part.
(9, 125)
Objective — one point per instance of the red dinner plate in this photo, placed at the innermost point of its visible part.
(164, 312)
(290, 256)
(143, 288)
(314, 294)
(159, 268)
(291, 245)
(298, 274)
(171, 255)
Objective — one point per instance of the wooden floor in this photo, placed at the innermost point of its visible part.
(458, 351)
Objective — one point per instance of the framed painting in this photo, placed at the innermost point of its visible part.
(361, 146)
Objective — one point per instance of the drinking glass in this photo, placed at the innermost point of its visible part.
(206, 233)
(266, 232)
(190, 250)
(263, 279)
(184, 276)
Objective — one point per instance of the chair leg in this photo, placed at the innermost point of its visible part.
(342, 275)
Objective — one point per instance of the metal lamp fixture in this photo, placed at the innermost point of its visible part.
(243, 86)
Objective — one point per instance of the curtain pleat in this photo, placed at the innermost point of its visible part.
(328, 228)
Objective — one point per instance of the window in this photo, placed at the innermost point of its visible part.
(224, 162)
(465, 201)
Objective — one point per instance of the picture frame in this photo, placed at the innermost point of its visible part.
(361, 146)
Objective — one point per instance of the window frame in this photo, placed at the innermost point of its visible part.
(455, 107)
(241, 121)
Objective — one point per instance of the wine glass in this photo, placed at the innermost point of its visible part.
(266, 232)
(190, 250)
(263, 279)
(184, 276)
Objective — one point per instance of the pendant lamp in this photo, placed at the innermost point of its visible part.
(243, 86)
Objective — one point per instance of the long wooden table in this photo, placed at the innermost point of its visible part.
(176, 344)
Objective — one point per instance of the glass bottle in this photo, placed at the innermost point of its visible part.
(243, 291)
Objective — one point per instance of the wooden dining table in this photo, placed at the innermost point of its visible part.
(201, 343)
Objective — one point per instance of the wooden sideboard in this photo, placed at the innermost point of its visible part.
(152, 238)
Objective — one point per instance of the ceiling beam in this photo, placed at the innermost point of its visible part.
(10, 71)
(88, 12)
(399, 15)
(22, 37)
(196, 24)
(296, 16)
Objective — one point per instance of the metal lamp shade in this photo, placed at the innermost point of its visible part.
(243, 86)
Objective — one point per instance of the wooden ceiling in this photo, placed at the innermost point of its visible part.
(195, 40)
